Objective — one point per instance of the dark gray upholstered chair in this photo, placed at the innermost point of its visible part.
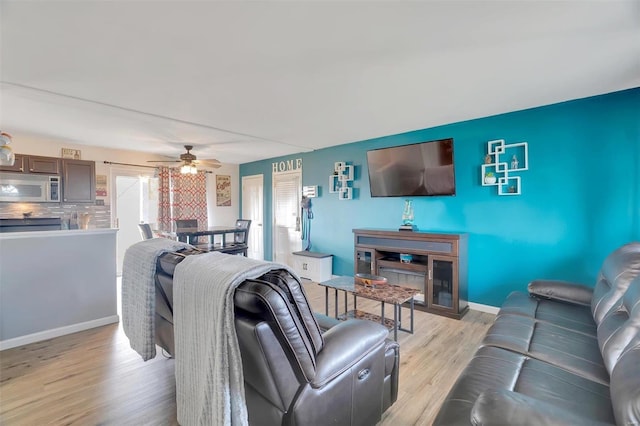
(145, 231)
(184, 224)
(240, 239)
(299, 368)
(189, 225)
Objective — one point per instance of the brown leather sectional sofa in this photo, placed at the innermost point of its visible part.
(299, 369)
(562, 354)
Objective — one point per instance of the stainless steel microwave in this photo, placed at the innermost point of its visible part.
(29, 188)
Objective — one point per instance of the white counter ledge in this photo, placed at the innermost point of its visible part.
(56, 282)
(60, 233)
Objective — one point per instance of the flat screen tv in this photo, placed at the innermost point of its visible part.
(412, 170)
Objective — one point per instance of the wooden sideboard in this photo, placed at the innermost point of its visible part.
(434, 263)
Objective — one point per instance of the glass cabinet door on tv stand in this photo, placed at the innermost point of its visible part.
(365, 262)
(441, 279)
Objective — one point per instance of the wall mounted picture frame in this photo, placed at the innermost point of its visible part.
(73, 154)
(223, 190)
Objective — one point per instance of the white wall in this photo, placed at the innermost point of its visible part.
(219, 215)
(24, 143)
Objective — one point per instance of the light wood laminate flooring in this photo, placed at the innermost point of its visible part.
(94, 378)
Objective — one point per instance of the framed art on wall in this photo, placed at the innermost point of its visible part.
(223, 190)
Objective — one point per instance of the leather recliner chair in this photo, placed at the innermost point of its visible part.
(297, 372)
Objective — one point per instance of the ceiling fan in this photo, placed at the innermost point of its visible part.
(189, 162)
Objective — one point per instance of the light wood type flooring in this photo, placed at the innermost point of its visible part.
(95, 378)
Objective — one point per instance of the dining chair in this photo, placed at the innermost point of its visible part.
(242, 237)
(145, 231)
(184, 224)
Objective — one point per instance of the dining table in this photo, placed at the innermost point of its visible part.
(189, 235)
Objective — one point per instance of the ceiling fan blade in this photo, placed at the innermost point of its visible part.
(213, 163)
(164, 161)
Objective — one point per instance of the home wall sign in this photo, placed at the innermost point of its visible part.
(287, 166)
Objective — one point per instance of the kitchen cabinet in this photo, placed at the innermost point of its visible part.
(48, 165)
(78, 181)
(19, 165)
(34, 164)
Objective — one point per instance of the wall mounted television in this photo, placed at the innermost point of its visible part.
(418, 169)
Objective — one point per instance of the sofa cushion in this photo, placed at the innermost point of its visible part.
(511, 408)
(570, 316)
(575, 352)
(498, 369)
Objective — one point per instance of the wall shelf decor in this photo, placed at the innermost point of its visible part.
(341, 180)
(501, 163)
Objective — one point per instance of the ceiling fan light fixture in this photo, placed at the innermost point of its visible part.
(188, 169)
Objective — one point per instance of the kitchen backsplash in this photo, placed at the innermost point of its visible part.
(100, 215)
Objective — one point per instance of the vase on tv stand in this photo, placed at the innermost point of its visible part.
(407, 217)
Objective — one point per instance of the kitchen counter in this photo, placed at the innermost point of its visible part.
(56, 282)
(30, 224)
(60, 233)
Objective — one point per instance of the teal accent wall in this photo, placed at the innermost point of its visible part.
(580, 197)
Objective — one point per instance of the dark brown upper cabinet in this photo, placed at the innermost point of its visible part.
(48, 165)
(78, 181)
(34, 164)
(20, 165)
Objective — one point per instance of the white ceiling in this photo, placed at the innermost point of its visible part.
(244, 81)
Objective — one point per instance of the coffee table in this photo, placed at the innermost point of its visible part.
(393, 294)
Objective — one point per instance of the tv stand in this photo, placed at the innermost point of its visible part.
(438, 265)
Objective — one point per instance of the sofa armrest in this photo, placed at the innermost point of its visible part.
(563, 291)
(344, 345)
(505, 407)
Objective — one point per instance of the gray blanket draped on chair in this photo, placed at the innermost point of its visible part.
(209, 378)
(139, 293)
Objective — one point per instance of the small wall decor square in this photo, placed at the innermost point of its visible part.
(341, 180)
(501, 164)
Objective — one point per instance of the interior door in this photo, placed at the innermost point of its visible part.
(253, 208)
(134, 199)
(287, 192)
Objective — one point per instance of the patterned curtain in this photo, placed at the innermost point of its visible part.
(181, 197)
(164, 200)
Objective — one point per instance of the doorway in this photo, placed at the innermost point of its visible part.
(134, 199)
(287, 192)
(253, 208)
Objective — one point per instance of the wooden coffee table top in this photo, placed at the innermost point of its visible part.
(387, 293)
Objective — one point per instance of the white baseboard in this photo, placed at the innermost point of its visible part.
(56, 332)
(484, 308)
